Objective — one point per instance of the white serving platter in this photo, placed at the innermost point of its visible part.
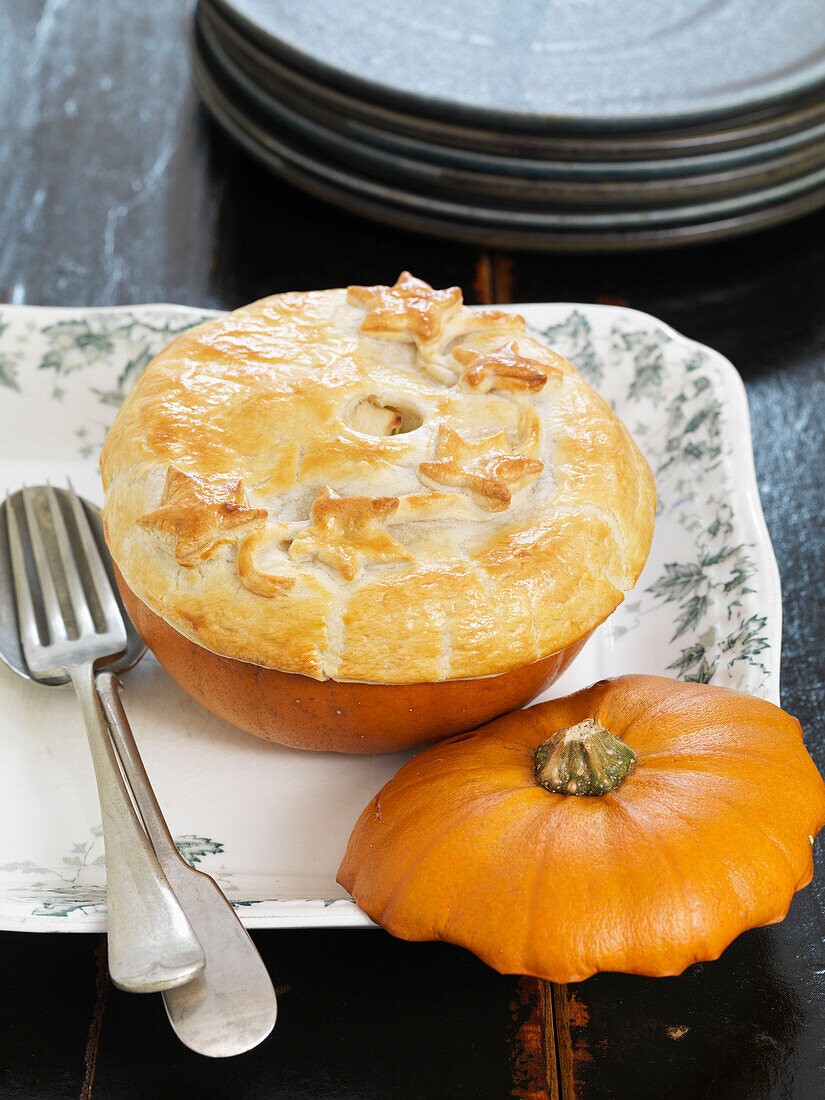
(270, 824)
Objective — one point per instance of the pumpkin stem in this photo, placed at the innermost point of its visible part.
(585, 759)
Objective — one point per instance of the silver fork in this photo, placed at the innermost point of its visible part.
(151, 943)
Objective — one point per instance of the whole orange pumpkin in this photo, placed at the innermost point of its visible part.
(639, 825)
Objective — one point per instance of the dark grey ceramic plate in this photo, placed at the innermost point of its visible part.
(619, 184)
(563, 234)
(593, 64)
(638, 154)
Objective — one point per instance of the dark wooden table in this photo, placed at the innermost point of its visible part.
(114, 188)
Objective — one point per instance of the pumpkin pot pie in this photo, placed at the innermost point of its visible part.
(368, 518)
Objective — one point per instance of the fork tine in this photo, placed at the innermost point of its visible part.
(100, 578)
(51, 604)
(23, 597)
(74, 585)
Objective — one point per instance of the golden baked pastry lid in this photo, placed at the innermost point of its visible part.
(374, 484)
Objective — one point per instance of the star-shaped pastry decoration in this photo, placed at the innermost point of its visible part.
(503, 369)
(200, 514)
(346, 531)
(411, 308)
(485, 468)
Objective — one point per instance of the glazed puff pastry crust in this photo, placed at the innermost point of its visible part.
(374, 484)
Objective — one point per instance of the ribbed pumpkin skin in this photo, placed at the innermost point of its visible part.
(707, 837)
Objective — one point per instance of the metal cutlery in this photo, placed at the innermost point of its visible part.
(151, 943)
(11, 652)
(230, 1006)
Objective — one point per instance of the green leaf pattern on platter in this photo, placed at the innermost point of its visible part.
(574, 334)
(8, 367)
(670, 401)
(112, 347)
(78, 885)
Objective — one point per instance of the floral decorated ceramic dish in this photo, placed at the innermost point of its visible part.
(270, 823)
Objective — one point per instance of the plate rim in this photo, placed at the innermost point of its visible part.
(367, 199)
(747, 170)
(786, 132)
(655, 218)
(479, 139)
(782, 90)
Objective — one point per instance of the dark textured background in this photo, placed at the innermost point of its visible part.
(115, 189)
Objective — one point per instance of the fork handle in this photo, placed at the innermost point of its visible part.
(231, 1007)
(151, 943)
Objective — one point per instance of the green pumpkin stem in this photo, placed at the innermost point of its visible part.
(585, 759)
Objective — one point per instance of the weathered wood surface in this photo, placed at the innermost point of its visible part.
(114, 188)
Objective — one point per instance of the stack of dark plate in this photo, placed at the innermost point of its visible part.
(551, 124)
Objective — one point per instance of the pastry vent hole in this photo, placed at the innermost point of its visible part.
(371, 416)
(284, 543)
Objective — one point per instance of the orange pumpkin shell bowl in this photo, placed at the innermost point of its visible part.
(303, 713)
(364, 518)
(639, 825)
